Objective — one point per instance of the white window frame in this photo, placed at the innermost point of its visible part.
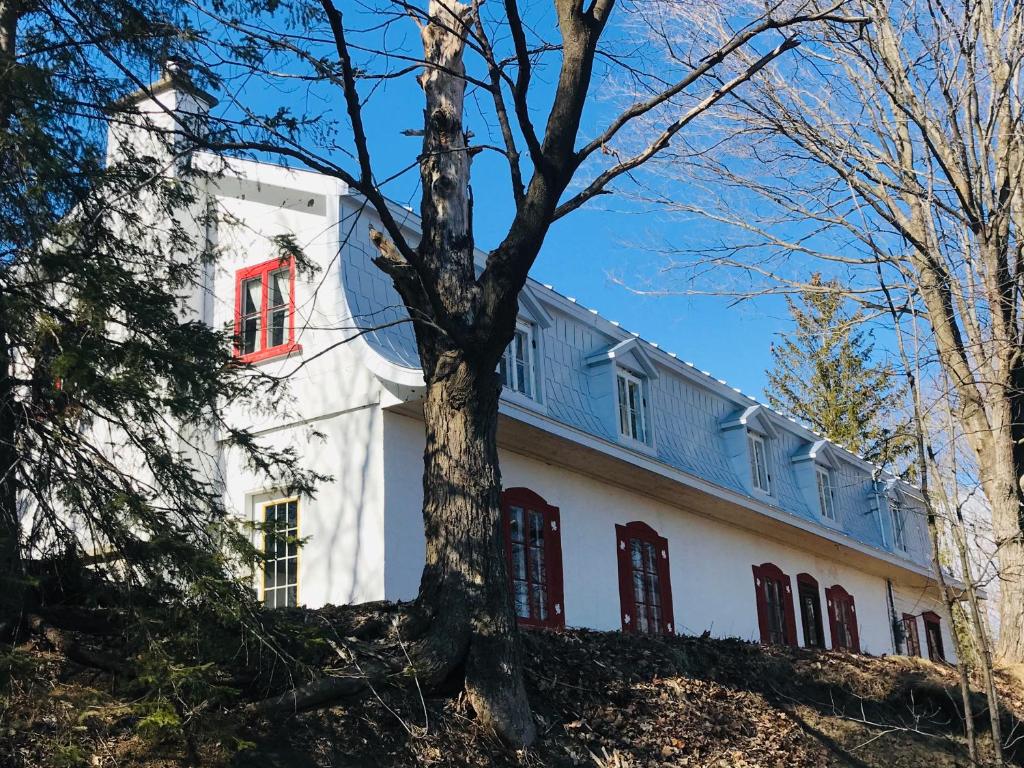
(292, 578)
(626, 431)
(758, 447)
(510, 381)
(826, 493)
(899, 525)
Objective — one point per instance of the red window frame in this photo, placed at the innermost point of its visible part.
(910, 634)
(842, 605)
(554, 604)
(764, 575)
(805, 583)
(625, 535)
(263, 272)
(932, 620)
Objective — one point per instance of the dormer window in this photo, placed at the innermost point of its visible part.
(621, 378)
(826, 501)
(632, 406)
(899, 525)
(516, 366)
(759, 474)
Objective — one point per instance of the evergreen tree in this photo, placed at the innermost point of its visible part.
(824, 376)
(111, 392)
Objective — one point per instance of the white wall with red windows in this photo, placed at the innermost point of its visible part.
(711, 567)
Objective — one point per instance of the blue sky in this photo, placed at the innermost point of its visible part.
(588, 252)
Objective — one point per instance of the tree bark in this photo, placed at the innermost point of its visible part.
(464, 596)
(464, 590)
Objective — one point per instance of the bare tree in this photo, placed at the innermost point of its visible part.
(898, 147)
(463, 318)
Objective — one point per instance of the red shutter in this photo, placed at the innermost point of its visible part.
(665, 582)
(830, 602)
(854, 632)
(787, 612)
(553, 555)
(627, 602)
(762, 606)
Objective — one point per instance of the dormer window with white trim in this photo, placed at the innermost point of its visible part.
(516, 367)
(632, 406)
(748, 432)
(760, 476)
(899, 525)
(826, 499)
(621, 380)
(816, 465)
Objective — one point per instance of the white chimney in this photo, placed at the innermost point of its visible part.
(173, 109)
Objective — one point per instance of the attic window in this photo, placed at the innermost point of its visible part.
(759, 475)
(826, 500)
(632, 405)
(516, 366)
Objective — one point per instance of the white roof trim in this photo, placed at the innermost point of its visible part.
(622, 351)
(820, 452)
(755, 417)
(532, 308)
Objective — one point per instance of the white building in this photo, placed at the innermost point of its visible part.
(641, 493)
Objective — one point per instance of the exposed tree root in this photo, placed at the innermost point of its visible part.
(63, 642)
(388, 645)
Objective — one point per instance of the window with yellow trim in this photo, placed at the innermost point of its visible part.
(281, 550)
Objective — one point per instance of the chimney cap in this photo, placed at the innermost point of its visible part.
(174, 75)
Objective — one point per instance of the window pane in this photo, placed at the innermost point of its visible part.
(536, 528)
(279, 288)
(518, 561)
(250, 334)
(636, 426)
(522, 598)
(252, 296)
(278, 329)
(539, 604)
(623, 408)
(515, 523)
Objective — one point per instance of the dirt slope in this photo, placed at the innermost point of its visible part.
(602, 699)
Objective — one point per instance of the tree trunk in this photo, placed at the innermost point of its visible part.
(11, 576)
(1001, 469)
(464, 590)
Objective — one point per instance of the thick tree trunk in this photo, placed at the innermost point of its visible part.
(464, 590)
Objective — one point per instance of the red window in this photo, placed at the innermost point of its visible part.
(533, 544)
(842, 619)
(910, 634)
(265, 310)
(933, 635)
(645, 587)
(774, 594)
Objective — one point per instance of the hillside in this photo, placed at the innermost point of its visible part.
(602, 699)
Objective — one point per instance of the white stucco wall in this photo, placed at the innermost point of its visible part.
(710, 561)
(330, 411)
